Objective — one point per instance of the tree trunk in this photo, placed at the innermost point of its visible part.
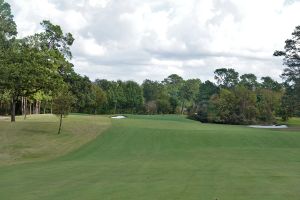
(45, 107)
(60, 122)
(29, 108)
(22, 105)
(51, 106)
(13, 110)
(25, 108)
(36, 107)
(115, 108)
(182, 107)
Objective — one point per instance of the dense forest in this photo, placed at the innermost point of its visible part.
(37, 77)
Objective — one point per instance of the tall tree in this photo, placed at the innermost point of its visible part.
(99, 98)
(270, 84)
(133, 94)
(8, 31)
(156, 97)
(53, 38)
(268, 104)
(173, 83)
(226, 78)
(236, 106)
(27, 72)
(288, 104)
(291, 73)
(35, 63)
(8, 27)
(189, 91)
(152, 90)
(249, 81)
(291, 54)
(207, 90)
(81, 88)
(117, 95)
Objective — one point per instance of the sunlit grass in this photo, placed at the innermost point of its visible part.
(36, 137)
(161, 158)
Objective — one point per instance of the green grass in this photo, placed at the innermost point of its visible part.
(163, 158)
(294, 122)
(36, 138)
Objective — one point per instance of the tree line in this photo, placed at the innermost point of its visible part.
(37, 76)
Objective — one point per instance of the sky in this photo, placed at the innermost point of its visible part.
(151, 39)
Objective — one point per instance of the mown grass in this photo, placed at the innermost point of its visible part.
(167, 158)
(294, 121)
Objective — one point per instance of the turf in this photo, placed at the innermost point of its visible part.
(36, 138)
(165, 158)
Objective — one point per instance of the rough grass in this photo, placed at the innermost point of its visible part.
(36, 138)
(165, 158)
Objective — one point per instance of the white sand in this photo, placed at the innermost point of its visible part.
(272, 126)
(118, 117)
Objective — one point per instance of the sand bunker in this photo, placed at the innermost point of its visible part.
(272, 126)
(118, 117)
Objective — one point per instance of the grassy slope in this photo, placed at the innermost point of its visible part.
(36, 138)
(166, 158)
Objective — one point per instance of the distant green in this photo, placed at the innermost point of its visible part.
(163, 158)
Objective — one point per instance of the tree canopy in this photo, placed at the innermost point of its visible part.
(37, 71)
(291, 73)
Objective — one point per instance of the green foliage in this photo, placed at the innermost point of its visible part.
(287, 106)
(99, 99)
(4, 102)
(240, 105)
(28, 71)
(8, 27)
(189, 90)
(36, 68)
(268, 103)
(249, 81)
(164, 106)
(153, 90)
(133, 95)
(291, 75)
(54, 38)
(81, 88)
(291, 57)
(62, 102)
(226, 78)
(173, 84)
(204, 103)
(226, 107)
(33, 65)
(270, 84)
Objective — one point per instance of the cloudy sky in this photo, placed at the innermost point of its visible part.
(139, 39)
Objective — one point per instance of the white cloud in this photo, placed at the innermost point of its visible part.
(89, 47)
(139, 39)
(101, 3)
(74, 20)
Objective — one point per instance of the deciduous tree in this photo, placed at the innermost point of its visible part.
(62, 104)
